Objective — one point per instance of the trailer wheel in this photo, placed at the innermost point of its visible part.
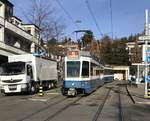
(49, 86)
(52, 84)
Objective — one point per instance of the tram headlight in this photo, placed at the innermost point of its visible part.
(72, 84)
(82, 84)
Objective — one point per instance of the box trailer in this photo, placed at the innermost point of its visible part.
(26, 72)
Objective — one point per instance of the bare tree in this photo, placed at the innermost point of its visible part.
(137, 56)
(41, 13)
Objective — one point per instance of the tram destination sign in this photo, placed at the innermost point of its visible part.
(73, 54)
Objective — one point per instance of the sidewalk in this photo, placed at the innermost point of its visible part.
(138, 93)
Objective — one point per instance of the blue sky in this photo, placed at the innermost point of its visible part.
(128, 15)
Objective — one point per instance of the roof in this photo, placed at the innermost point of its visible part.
(17, 18)
(31, 25)
(7, 2)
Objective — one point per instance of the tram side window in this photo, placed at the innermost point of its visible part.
(85, 69)
(93, 69)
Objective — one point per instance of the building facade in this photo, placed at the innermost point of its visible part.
(137, 53)
(15, 37)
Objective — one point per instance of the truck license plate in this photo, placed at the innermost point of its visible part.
(13, 87)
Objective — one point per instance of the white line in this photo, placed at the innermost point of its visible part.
(38, 99)
(53, 93)
(143, 103)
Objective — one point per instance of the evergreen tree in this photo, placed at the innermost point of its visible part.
(87, 39)
(119, 53)
(52, 45)
(114, 52)
(105, 50)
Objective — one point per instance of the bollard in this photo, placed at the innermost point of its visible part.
(41, 93)
(148, 93)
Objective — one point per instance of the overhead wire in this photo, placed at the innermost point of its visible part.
(67, 13)
(111, 19)
(94, 18)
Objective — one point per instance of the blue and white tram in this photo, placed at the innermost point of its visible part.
(108, 74)
(82, 74)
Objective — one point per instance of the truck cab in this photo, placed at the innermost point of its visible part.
(15, 77)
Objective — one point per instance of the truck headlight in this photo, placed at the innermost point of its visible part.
(23, 86)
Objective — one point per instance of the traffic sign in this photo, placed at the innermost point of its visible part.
(147, 37)
(148, 56)
(148, 78)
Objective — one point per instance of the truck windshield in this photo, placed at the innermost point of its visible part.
(73, 69)
(13, 68)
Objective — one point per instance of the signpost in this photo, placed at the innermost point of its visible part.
(146, 37)
(148, 56)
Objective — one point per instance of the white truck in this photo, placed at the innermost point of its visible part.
(26, 72)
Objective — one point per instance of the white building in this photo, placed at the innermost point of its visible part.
(15, 37)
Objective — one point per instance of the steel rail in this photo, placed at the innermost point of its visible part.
(100, 107)
(121, 117)
(62, 109)
(42, 109)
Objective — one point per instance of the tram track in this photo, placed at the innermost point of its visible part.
(115, 90)
(37, 112)
(62, 109)
(43, 109)
(120, 109)
(100, 107)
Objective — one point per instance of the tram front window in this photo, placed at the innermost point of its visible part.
(73, 69)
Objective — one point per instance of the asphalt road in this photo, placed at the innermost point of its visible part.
(55, 107)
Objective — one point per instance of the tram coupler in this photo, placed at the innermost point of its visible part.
(72, 92)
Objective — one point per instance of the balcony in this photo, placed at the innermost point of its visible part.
(10, 49)
(1, 21)
(18, 30)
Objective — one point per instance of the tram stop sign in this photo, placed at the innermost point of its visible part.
(148, 56)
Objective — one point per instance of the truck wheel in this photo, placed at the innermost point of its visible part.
(7, 94)
(32, 89)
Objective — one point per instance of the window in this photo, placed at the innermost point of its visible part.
(85, 69)
(73, 69)
(29, 31)
(94, 70)
(29, 71)
(13, 68)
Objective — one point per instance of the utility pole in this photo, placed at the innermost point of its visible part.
(146, 63)
(146, 53)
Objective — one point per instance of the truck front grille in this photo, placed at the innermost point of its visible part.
(12, 81)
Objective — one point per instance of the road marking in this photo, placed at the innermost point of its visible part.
(143, 103)
(39, 99)
(53, 93)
